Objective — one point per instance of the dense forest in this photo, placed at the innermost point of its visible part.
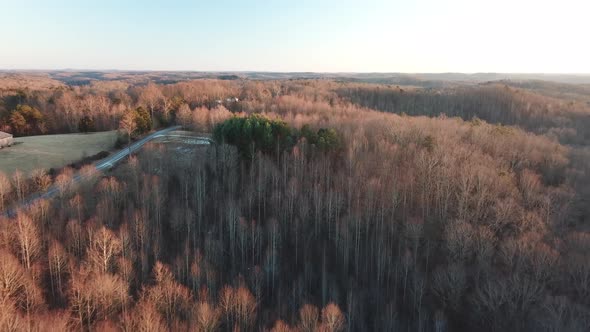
(323, 206)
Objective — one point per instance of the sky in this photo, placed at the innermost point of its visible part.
(413, 36)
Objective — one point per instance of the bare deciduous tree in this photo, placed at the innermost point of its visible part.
(104, 247)
(151, 96)
(308, 318)
(128, 126)
(29, 242)
(205, 317)
(5, 188)
(20, 185)
(332, 318)
(184, 115)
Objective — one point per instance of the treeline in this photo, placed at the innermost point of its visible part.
(565, 119)
(103, 104)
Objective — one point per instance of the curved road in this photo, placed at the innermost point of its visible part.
(100, 166)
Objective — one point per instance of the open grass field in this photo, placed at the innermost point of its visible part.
(47, 151)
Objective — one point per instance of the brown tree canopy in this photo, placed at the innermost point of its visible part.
(451, 209)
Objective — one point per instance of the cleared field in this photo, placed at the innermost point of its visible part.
(47, 151)
(184, 137)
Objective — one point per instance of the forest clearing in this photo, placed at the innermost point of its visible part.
(53, 151)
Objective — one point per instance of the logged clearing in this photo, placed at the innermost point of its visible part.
(47, 151)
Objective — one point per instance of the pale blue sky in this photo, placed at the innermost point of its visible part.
(327, 36)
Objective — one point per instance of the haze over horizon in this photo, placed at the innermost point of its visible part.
(428, 36)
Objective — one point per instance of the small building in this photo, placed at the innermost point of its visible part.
(5, 139)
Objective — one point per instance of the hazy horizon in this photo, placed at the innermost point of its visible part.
(25, 70)
(455, 36)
